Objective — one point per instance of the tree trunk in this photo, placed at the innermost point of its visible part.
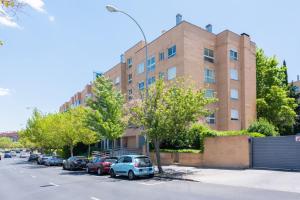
(71, 150)
(89, 150)
(157, 154)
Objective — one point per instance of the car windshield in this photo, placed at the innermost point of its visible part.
(111, 160)
(143, 161)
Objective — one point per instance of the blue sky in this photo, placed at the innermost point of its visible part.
(55, 45)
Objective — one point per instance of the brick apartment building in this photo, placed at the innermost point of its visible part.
(223, 64)
(13, 135)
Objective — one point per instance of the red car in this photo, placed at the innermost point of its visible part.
(100, 165)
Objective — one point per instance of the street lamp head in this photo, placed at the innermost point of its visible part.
(112, 8)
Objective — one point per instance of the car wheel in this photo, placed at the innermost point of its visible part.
(151, 175)
(99, 171)
(64, 167)
(131, 175)
(112, 173)
(87, 170)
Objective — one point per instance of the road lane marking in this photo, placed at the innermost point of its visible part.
(94, 198)
(53, 184)
(32, 176)
(150, 184)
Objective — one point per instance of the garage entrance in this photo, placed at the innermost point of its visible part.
(276, 152)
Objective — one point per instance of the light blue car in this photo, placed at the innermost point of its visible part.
(132, 166)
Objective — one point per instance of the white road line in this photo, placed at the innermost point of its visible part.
(150, 184)
(53, 184)
(94, 198)
(32, 176)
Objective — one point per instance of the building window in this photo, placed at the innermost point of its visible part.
(161, 56)
(234, 74)
(234, 94)
(209, 93)
(141, 85)
(209, 55)
(129, 78)
(211, 119)
(151, 80)
(130, 98)
(161, 75)
(172, 51)
(117, 80)
(297, 89)
(234, 114)
(233, 55)
(209, 76)
(171, 73)
(129, 94)
(129, 62)
(140, 68)
(151, 64)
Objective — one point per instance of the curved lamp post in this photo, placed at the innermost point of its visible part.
(112, 8)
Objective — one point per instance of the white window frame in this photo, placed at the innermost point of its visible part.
(234, 74)
(209, 91)
(117, 80)
(173, 51)
(210, 58)
(172, 74)
(234, 94)
(151, 64)
(234, 113)
(129, 62)
(141, 68)
(211, 119)
(209, 77)
(232, 53)
(129, 78)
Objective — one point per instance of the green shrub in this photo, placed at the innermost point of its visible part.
(181, 150)
(264, 127)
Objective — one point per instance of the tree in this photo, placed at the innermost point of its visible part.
(73, 129)
(277, 108)
(106, 116)
(5, 142)
(264, 127)
(168, 112)
(273, 102)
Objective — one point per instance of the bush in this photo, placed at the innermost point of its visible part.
(264, 127)
(181, 150)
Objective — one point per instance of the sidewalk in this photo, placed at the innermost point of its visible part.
(262, 179)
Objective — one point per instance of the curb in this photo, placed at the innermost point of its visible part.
(174, 178)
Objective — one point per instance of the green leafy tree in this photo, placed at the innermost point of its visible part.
(107, 115)
(263, 126)
(273, 102)
(5, 142)
(168, 111)
(73, 129)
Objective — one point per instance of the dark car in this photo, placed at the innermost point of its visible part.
(33, 157)
(7, 155)
(75, 162)
(100, 165)
(54, 161)
(42, 159)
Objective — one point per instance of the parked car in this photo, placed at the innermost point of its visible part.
(100, 165)
(41, 159)
(24, 154)
(132, 166)
(75, 162)
(54, 161)
(7, 155)
(13, 153)
(33, 157)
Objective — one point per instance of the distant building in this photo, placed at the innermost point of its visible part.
(10, 134)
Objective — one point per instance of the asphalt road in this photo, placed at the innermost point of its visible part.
(20, 180)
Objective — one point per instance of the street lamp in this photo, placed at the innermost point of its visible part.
(112, 8)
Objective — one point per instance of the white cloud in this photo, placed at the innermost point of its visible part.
(35, 4)
(51, 18)
(4, 92)
(8, 21)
